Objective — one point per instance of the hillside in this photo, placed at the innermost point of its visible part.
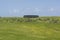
(43, 28)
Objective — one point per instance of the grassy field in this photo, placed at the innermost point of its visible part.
(29, 31)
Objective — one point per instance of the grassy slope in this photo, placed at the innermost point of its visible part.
(29, 31)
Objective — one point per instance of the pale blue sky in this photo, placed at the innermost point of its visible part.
(31, 7)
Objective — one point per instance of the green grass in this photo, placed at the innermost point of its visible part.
(29, 31)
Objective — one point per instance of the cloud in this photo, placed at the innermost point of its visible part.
(12, 11)
(15, 11)
(26, 11)
(31, 11)
(37, 10)
(51, 9)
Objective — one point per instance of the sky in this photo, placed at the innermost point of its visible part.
(29, 7)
